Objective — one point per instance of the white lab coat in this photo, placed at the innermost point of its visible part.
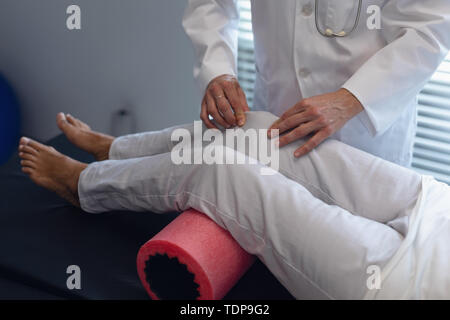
(385, 69)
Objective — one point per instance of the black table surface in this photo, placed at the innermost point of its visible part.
(41, 235)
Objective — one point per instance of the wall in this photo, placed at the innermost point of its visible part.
(130, 54)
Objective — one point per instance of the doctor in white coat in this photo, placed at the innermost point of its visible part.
(327, 70)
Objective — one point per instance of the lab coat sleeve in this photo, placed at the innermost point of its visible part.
(418, 39)
(212, 25)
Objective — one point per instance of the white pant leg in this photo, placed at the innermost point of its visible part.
(334, 172)
(144, 144)
(345, 176)
(316, 250)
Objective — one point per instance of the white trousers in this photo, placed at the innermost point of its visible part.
(317, 225)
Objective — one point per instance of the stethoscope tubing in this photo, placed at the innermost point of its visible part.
(334, 34)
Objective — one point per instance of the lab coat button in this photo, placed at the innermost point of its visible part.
(303, 72)
(307, 9)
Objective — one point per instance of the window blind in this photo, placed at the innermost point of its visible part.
(246, 60)
(432, 143)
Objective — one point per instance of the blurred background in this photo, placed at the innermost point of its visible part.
(128, 69)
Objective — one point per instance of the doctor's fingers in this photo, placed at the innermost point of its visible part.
(222, 94)
(205, 117)
(293, 121)
(235, 100)
(241, 105)
(213, 110)
(298, 107)
(312, 143)
(300, 132)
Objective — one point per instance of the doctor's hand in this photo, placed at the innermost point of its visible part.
(225, 101)
(320, 116)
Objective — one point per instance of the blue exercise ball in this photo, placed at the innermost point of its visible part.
(9, 121)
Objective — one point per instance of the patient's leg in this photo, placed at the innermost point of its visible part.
(316, 250)
(341, 175)
(146, 143)
(334, 172)
(81, 135)
(105, 147)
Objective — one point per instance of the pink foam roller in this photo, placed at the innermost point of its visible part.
(191, 258)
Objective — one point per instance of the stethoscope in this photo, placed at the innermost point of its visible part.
(328, 33)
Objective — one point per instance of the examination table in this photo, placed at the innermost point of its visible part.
(41, 235)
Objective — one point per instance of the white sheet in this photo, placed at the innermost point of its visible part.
(421, 267)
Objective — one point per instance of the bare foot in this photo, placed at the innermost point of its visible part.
(50, 169)
(81, 135)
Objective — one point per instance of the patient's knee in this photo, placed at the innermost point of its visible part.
(229, 163)
(259, 120)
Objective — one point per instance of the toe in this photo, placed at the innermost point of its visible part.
(65, 124)
(27, 170)
(71, 120)
(61, 121)
(78, 123)
(60, 116)
(27, 150)
(28, 164)
(27, 156)
(24, 141)
(35, 145)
